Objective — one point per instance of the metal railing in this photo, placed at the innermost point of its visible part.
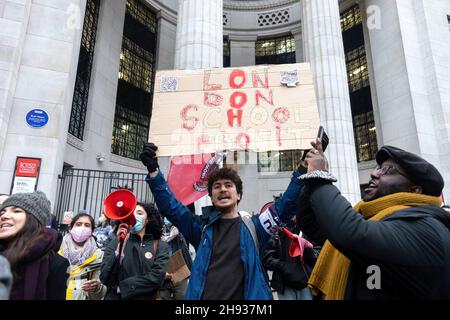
(86, 189)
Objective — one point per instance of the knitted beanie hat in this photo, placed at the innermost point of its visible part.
(35, 203)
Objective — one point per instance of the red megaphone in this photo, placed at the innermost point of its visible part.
(120, 205)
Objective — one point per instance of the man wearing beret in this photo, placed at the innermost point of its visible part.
(394, 244)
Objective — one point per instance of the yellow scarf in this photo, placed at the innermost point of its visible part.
(331, 270)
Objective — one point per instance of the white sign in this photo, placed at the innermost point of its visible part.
(24, 185)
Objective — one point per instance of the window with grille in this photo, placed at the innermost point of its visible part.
(130, 132)
(357, 71)
(84, 68)
(365, 136)
(351, 18)
(277, 51)
(359, 86)
(278, 161)
(226, 53)
(136, 76)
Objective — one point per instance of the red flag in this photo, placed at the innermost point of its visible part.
(298, 244)
(188, 175)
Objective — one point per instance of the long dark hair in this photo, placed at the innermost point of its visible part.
(155, 222)
(17, 248)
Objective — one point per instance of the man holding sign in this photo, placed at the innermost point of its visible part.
(227, 264)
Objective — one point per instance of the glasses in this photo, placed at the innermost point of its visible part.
(388, 170)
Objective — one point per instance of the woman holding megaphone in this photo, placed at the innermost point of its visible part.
(135, 269)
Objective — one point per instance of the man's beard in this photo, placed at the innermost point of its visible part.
(385, 191)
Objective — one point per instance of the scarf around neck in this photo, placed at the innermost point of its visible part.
(76, 254)
(330, 273)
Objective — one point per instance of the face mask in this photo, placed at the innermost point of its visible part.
(138, 226)
(80, 234)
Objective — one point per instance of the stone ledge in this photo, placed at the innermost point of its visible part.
(127, 162)
(255, 5)
(75, 142)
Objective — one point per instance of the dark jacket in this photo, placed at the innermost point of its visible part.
(140, 274)
(411, 246)
(42, 276)
(292, 272)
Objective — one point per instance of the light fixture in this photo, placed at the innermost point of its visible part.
(101, 157)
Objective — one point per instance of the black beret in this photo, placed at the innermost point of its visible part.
(421, 172)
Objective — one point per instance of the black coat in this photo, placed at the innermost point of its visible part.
(411, 246)
(140, 274)
(287, 271)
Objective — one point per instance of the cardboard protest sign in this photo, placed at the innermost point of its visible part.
(257, 108)
(177, 267)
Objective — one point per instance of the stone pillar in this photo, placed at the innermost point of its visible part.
(45, 45)
(242, 50)
(199, 42)
(167, 29)
(298, 37)
(14, 19)
(324, 49)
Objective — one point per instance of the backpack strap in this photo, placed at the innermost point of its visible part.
(247, 219)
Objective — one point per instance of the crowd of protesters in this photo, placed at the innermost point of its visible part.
(311, 243)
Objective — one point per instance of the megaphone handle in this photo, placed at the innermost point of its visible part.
(120, 248)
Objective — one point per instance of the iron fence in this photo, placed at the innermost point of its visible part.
(86, 189)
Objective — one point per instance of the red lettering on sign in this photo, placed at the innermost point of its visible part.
(212, 99)
(246, 138)
(278, 135)
(268, 100)
(235, 74)
(184, 116)
(256, 79)
(206, 85)
(280, 115)
(238, 99)
(232, 115)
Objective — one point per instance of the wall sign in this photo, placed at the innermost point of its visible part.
(26, 175)
(37, 118)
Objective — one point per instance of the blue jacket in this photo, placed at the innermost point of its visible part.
(198, 231)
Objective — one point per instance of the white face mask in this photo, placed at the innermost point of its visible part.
(80, 234)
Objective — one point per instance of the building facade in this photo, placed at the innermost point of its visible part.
(380, 67)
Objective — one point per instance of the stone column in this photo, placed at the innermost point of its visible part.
(45, 42)
(298, 37)
(242, 50)
(324, 49)
(167, 29)
(199, 42)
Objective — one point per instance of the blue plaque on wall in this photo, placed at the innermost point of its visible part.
(37, 118)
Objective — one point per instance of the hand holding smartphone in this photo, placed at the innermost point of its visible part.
(322, 135)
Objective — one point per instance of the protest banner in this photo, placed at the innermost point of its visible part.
(258, 108)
